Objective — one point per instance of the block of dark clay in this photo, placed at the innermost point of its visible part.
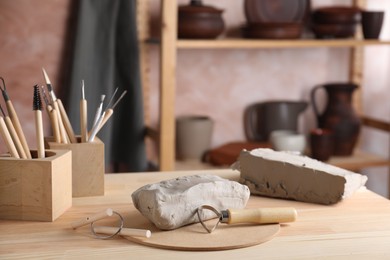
(290, 176)
(173, 203)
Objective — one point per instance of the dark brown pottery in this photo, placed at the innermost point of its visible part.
(339, 116)
(260, 119)
(198, 21)
(336, 15)
(322, 31)
(321, 144)
(372, 24)
(272, 30)
(282, 11)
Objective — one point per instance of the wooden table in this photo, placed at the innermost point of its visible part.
(358, 228)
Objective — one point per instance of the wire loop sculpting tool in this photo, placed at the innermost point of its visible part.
(110, 231)
(257, 216)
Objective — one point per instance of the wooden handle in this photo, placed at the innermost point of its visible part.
(8, 139)
(124, 231)
(54, 124)
(107, 114)
(15, 137)
(100, 215)
(64, 137)
(39, 134)
(262, 215)
(83, 121)
(18, 127)
(66, 122)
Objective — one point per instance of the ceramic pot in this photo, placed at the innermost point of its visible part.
(193, 136)
(198, 21)
(260, 119)
(339, 116)
(372, 24)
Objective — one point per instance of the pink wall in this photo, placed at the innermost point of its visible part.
(32, 37)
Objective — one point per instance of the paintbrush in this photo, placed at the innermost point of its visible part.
(15, 120)
(53, 117)
(37, 107)
(63, 117)
(83, 115)
(14, 135)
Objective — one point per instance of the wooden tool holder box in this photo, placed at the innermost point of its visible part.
(87, 165)
(36, 189)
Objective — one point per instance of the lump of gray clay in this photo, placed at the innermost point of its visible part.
(173, 203)
(285, 175)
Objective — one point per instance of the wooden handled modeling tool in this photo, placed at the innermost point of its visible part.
(132, 232)
(65, 126)
(15, 120)
(83, 115)
(53, 117)
(109, 111)
(87, 220)
(258, 216)
(37, 107)
(8, 139)
(14, 135)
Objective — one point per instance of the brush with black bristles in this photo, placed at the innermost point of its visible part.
(37, 107)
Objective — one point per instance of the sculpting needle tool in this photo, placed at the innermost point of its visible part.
(15, 120)
(14, 135)
(63, 117)
(83, 115)
(37, 107)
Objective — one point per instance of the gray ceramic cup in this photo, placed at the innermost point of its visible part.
(193, 136)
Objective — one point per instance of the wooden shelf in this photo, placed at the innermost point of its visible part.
(232, 43)
(240, 43)
(359, 160)
(169, 45)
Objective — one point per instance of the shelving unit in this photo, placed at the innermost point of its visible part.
(169, 45)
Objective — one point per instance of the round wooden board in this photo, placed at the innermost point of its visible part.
(195, 238)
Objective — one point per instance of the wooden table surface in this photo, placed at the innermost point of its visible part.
(357, 228)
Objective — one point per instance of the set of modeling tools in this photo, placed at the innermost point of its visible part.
(101, 115)
(12, 132)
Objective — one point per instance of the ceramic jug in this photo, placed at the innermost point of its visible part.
(260, 119)
(339, 116)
